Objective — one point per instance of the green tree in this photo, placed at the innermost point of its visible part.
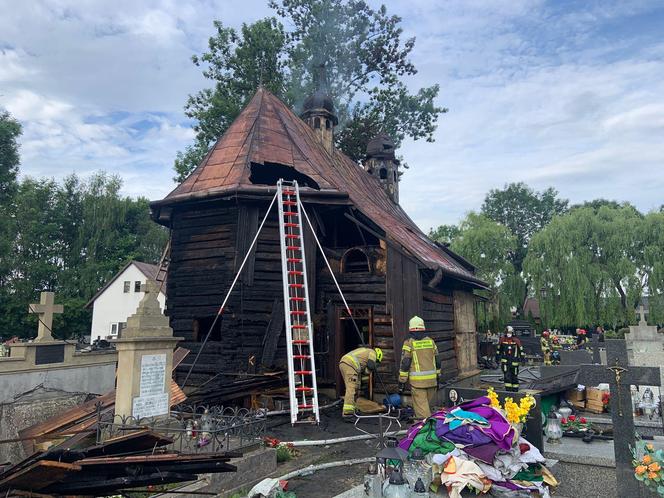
(444, 234)
(590, 261)
(487, 245)
(366, 61)
(10, 131)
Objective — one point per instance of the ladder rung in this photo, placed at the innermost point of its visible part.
(294, 260)
(290, 203)
(298, 312)
(304, 389)
(301, 356)
(305, 406)
(302, 372)
(295, 272)
(296, 298)
(293, 248)
(299, 327)
(300, 341)
(295, 225)
(296, 286)
(292, 236)
(289, 192)
(290, 213)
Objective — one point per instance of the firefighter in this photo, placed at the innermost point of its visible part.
(555, 347)
(545, 345)
(581, 339)
(352, 365)
(419, 367)
(511, 356)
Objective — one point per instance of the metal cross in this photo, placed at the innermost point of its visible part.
(618, 371)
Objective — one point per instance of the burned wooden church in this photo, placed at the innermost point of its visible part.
(387, 268)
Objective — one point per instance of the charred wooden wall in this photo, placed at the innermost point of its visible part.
(208, 245)
(438, 314)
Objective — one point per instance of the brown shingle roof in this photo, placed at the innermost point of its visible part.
(267, 131)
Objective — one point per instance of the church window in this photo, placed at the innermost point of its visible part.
(317, 123)
(355, 261)
(383, 173)
(327, 124)
(395, 176)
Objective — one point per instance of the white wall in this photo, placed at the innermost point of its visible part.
(114, 306)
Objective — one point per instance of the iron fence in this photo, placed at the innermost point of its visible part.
(193, 428)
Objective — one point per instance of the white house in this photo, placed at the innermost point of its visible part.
(119, 298)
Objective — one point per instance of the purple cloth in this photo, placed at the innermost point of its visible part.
(415, 429)
(499, 428)
(467, 435)
(484, 452)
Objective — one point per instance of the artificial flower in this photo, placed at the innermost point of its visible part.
(652, 475)
(650, 447)
(646, 459)
(641, 469)
(563, 420)
(583, 420)
(654, 467)
(572, 418)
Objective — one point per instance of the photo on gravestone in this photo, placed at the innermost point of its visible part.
(620, 376)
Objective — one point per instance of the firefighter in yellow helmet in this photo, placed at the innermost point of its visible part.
(419, 367)
(352, 365)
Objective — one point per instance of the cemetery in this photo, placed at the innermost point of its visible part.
(293, 315)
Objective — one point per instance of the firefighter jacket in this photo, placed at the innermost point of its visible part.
(360, 359)
(419, 363)
(545, 344)
(510, 351)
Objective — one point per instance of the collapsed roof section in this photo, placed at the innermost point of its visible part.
(268, 133)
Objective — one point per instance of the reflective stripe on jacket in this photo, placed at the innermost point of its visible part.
(419, 364)
(360, 359)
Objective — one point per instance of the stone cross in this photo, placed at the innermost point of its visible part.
(620, 376)
(642, 316)
(45, 310)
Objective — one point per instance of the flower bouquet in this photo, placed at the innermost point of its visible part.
(575, 424)
(648, 468)
(515, 413)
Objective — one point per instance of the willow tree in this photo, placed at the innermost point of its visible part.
(653, 260)
(486, 244)
(590, 262)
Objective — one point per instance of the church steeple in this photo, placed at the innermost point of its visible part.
(318, 110)
(382, 164)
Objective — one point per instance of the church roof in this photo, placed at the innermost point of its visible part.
(268, 133)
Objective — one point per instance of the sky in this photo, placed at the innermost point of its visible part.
(563, 94)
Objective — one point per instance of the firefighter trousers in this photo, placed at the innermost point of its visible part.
(511, 377)
(422, 398)
(352, 383)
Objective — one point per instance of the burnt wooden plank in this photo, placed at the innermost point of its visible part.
(247, 225)
(272, 333)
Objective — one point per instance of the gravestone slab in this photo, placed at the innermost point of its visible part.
(645, 346)
(47, 354)
(620, 376)
(577, 357)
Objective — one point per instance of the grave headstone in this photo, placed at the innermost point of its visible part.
(145, 360)
(575, 357)
(620, 376)
(645, 346)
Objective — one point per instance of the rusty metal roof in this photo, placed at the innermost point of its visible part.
(268, 132)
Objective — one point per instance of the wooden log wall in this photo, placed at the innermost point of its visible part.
(204, 260)
(438, 315)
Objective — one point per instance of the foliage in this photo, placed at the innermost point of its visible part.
(285, 451)
(70, 238)
(366, 61)
(648, 465)
(591, 263)
(524, 211)
(10, 131)
(487, 245)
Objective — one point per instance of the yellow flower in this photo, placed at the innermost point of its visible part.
(641, 469)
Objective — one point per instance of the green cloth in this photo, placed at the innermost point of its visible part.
(428, 442)
(532, 474)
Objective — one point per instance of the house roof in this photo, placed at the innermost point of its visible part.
(531, 306)
(268, 133)
(149, 270)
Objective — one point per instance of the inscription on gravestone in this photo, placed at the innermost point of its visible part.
(48, 354)
(153, 400)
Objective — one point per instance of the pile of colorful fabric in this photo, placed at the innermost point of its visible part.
(473, 445)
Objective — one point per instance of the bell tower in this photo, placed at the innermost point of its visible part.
(318, 110)
(381, 163)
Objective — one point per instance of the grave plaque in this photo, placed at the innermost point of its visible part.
(153, 400)
(48, 354)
